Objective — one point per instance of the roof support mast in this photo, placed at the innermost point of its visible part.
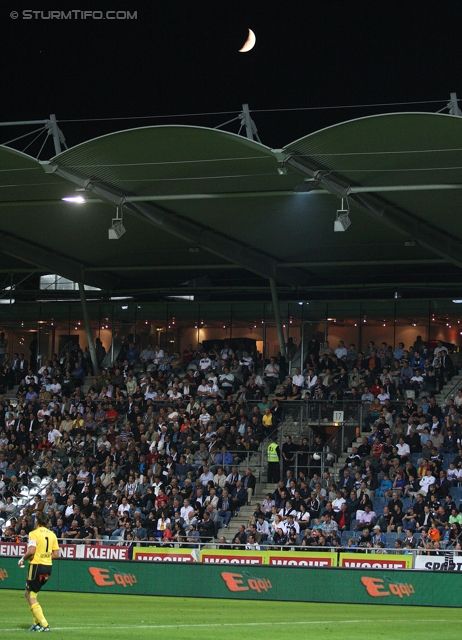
(248, 123)
(50, 125)
(453, 106)
(55, 131)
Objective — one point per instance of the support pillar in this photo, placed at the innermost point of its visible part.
(277, 316)
(112, 337)
(86, 317)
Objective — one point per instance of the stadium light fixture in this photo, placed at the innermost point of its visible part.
(74, 199)
(342, 220)
(117, 229)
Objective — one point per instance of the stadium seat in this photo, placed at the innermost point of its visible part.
(390, 538)
(117, 538)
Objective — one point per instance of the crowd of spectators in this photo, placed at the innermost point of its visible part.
(353, 514)
(149, 452)
(401, 486)
(377, 372)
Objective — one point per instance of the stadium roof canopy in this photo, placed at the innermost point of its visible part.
(213, 213)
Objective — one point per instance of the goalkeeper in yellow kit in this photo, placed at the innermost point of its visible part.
(42, 549)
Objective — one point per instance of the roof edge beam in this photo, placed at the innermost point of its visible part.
(227, 248)
(404, 187)
(405, 222)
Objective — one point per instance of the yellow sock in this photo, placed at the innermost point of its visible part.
(33, 614)
(37, 614)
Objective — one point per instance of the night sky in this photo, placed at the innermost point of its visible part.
(182, 57)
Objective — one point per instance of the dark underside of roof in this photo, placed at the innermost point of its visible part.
(215, 215)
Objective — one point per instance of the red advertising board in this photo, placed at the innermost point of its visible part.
(8, 549)
(212, 556)
(100, 552)
(375, 561)
(153, 554)
(291, 559)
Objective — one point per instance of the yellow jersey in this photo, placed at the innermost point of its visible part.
(45, 542)
(267, 419)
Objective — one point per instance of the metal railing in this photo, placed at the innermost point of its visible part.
(313, 463)
(241, 459)
(347, 432)
(452, 391)
(316, 415)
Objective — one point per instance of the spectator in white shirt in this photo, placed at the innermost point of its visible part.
(226, 380)
(311, 380)
(341, 351)
(212, 389)
(337, 503)
(426, 481)
(263, 528)
(205, 364)
(417, 380)
(55, 387)
(298, 380)
(158, 355)
(202, 391)
(206, 476)
(53, 435)
(404, 451)
(271, 374)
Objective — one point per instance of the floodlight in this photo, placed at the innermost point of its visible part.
(342, 223)
(75, 199)
(342, 220)
(116, 230)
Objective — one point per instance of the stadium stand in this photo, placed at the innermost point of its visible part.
(158, 448)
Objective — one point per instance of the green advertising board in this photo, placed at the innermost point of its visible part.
(342, 585)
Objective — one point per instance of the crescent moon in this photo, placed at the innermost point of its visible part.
(249, 43)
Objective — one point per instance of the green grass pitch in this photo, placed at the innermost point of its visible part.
(83, 616)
